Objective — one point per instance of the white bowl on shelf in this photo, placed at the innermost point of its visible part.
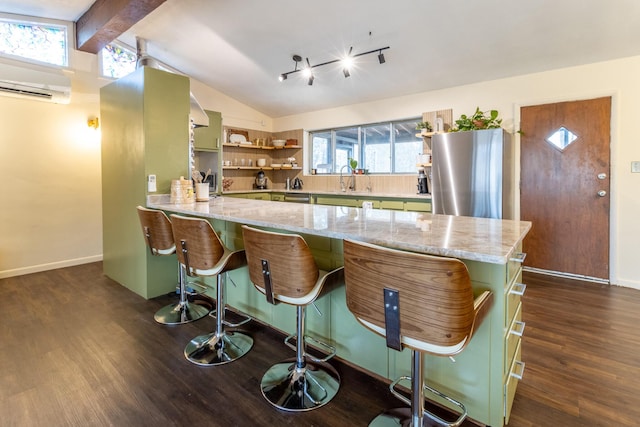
(276, 165)
(278, 143)
(261, 163)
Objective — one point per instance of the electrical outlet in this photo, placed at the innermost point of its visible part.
(151, 184)
(635, 167)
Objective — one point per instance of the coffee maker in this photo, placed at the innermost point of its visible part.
(423, 187)
(261, 180)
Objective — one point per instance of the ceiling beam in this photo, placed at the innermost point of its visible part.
(107, 19)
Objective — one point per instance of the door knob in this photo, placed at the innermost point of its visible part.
(602, 193)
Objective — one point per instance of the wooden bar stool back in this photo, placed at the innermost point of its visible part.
(202, 254)
(418, 301)
(158, 237)
(282, 267)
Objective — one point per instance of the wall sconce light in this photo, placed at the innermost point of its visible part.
(347, 63)
(93, 123)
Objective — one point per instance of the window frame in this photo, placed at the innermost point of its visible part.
(361, 147)
(33, 20)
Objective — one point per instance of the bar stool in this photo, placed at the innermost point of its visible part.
(282, 267)
(202, 254)
(159, 239)
(417, 301)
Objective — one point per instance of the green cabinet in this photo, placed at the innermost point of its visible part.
(144, 121)
(377, 202)
(263, 195)
(207, 138)
(277, 197)
(418, 205)
(349, 201)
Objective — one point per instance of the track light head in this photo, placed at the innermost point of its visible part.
(282, 77)
(346, 72)
(310, 81)
(381, 58)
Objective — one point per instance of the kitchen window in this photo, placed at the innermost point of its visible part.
(117, 60)
(35, 40)
(382, 148)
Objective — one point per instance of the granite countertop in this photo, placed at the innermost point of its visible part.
(337, 193)
(478, 239)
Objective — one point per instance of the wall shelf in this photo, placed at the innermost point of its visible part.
(265, 168)
(260, 147)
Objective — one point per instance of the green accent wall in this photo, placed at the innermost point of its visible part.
(145, 130)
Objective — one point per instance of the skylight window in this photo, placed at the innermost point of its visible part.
(117, 61)
(42, 42)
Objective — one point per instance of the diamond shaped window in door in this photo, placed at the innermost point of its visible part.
(561, 138)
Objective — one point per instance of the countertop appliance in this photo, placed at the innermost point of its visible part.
(473, 174)
(261, 180)
(297, 184)
(423, 187)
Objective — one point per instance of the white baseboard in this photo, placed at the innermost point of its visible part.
(49, 266)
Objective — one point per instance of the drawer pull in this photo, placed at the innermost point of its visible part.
(518, 289)
(518, 257)
(518, 328)
(520, 373)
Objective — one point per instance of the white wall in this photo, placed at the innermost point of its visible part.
(50, 188)
(617, 78)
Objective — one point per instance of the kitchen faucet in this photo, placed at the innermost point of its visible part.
(352, 181)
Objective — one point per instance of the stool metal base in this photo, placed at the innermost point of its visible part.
(213, 349)
(300, 389)
(399, 417)
(178, 314)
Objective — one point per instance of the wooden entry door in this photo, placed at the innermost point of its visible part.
(564, 189)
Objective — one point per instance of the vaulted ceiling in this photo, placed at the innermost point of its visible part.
(240, 47)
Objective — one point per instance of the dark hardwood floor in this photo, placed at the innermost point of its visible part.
(77, 349)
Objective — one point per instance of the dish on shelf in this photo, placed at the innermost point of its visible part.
(276, 165)
(278, 143)
(287, 166)
(237, 138)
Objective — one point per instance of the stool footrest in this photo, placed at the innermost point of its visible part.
(434, 417)
(246, 318)
(202, 287)
(332, 350)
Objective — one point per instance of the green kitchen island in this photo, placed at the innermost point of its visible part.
(484, 376)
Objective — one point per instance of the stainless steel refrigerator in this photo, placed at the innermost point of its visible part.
(473, 174)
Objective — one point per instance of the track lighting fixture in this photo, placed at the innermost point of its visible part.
(347, 63)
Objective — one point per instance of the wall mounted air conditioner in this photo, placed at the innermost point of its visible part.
(22, 82)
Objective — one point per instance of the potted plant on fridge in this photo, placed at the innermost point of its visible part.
(478, 121)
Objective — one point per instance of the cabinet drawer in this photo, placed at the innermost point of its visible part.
(516, 259)
(417, 206)
(397, 205)
(512, 298)
(512, 338)
(515, 375)
(336, 201)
